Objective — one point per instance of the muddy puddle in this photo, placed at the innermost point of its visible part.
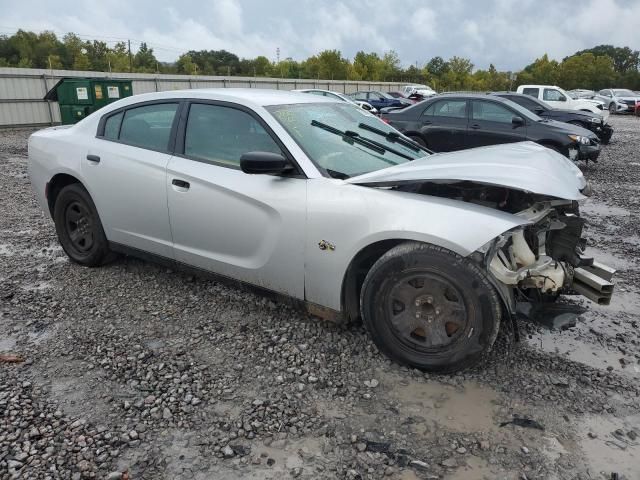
(597, 355)
(474, 468)
(611, 445)
(433, 405)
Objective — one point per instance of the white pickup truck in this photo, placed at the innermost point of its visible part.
(556, 97)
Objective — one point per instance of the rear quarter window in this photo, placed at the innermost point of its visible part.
(112, 126)
(148, 126)
(534, 92)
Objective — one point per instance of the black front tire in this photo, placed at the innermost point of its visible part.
(443, 323)
(79, 227)
(612, 108)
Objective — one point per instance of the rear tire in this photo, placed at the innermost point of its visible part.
(429, 308)
(612, 108)
(79, 228)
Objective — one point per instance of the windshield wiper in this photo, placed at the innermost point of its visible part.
(354, 137)
(396, 137)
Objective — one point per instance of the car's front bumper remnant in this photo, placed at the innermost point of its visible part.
(586, 152)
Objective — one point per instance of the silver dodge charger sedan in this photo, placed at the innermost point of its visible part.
(322, 202)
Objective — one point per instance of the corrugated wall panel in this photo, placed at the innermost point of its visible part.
(32, 84)
(22, 113)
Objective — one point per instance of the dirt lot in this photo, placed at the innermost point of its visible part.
(136, 368)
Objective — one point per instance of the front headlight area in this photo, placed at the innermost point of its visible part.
(580, 139)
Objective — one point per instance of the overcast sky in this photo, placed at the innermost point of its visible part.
(507, 33)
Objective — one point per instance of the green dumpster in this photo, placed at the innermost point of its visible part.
(79, 97)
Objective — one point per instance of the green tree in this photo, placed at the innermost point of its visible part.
(144, 59)
(624, 59)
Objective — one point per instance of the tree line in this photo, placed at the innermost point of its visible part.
(595, 68)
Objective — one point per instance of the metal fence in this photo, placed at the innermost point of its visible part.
(22, 89)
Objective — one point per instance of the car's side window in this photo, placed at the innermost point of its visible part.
(112, 126)
(534, 92)
(447, 108)
(606, 93)
(491, 112)
(148, 126)
(361, 96)
(524, 102)
(553, 95)
(223, 134)
(316, 92)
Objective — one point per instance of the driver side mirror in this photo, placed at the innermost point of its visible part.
(517, 121)
(264, 163)
(538, 110)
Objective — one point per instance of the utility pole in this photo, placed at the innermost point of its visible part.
(130, 59)
(278, 54)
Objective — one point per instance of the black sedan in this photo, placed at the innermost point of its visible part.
(457, 121)
(588, 120)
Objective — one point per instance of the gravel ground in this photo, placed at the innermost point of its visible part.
(138, 369)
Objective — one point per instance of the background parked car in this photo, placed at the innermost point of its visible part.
(396, 94)
(579, 93)
(458, 121)
(339, 96)
(424, 90)
(591, 121)
(556, 97)
(380, 99)
(619, 100)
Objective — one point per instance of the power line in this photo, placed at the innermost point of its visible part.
(106, 39)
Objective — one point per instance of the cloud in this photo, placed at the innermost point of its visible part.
(510, 34)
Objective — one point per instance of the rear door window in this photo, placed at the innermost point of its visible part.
(222, 135)
(148, 126)
(447, 108)
(534, 92)
(524, 102)
(491, 112)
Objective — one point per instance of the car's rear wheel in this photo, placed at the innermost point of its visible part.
(79, 228)
(429, 308)
(612, 108)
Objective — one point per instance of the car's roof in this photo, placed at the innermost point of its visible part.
(247, 96)
(479, 96)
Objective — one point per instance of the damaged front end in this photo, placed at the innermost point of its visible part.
(536, 263)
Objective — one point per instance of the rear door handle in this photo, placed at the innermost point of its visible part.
(93, 158)
(475, 126)
(180, 183)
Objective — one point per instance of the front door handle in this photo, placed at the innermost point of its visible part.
(93, 158)
(180, 183)
(475, 126)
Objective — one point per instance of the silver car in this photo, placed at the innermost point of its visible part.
(322, 202)
(619, 100)
(338, 96)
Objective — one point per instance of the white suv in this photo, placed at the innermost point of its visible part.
(556, 97)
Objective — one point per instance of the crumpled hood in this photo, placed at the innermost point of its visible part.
(524, 166)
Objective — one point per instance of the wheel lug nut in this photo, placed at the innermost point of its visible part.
(417, 303)
(437, 311)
